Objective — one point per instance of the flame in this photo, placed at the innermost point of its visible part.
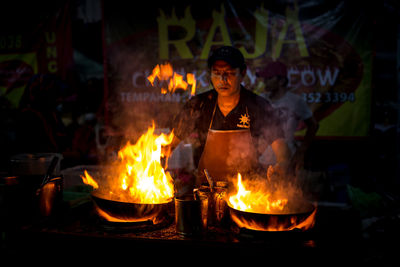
(138, 176)
(191, 80)
(143, 175)
(87, 179)
(108, 217)
(165, 72)
(255, 201)
(284, 204)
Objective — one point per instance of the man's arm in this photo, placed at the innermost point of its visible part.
(281, 168)
(282, 151)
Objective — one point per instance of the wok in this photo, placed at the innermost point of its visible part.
(128, 211)
(273, 222)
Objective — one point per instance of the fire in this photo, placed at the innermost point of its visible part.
(138, 176)
(191, 80)
(143, 176)
(87, 179)
(255, 201)
(165, 73)
(152, 216)
(270, 206)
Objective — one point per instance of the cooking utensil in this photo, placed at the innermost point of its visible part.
(217, 208)
(49, 172)
(127, 211)
(210, 180)
(17, 199)
(50, 196)
(271, 222)
(191, 215)
(33, 164)
(196, 194)
(50, 190)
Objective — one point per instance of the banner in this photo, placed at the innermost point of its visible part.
(29, 46)
(327, 50)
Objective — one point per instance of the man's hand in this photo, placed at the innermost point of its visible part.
(277, 172)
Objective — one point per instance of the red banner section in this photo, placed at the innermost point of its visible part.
(31, 47)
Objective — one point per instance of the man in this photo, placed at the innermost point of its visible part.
(292, 110)
(232, 124)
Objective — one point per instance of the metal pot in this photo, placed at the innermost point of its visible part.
(25, 198)
(50, 191)
(17, 199)
(34, 164)
(50, 196)
(273, 222)
(128, 211)
(191, 215)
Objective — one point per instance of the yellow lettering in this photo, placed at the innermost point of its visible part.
(51, 52)
(187, 23)
(261, 16)
(52, 66)
(218, 23)
(292, 18)
(50, 37)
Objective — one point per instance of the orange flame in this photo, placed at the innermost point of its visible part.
(111, 218)
(255, 201)
(138, 176)
(191, 80)
(143, 175)
(284, 203)
(87, 179)
(165, 72)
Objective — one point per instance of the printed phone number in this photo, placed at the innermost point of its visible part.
(328, 97)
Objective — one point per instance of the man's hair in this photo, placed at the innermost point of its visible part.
(230, 55)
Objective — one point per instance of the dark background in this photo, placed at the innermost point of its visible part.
(371, 163)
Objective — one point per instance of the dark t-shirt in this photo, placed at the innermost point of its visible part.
(252, 112)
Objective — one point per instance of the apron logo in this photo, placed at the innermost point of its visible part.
(244, 121)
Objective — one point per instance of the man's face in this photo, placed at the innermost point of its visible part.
(226, 80)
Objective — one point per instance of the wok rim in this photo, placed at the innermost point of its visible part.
(312, 206)
(111, 210)
(267, 222)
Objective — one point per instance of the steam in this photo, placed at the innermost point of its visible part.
(277, 187)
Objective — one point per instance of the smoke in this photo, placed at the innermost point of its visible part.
(273, 186)
(133, 104)
(240, 151)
